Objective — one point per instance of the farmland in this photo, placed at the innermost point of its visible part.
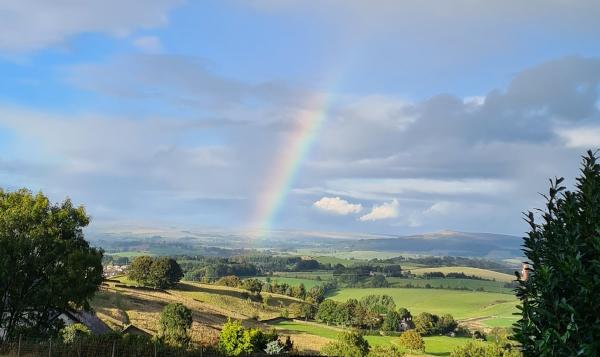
(461, 304)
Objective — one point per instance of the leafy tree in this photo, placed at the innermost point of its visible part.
(232, 341)
(253, 285)
(425, 323)
(446, 324)
(160, 272)
(229, 280)
(391, 322)
(46, 265)
(412, 341)
(348, 344)
(72, 333)
(165, 272)
(404, 313)
(380, 304)
(175, 321)
(559, 299)
(307, 311)
(235, 340)
(140, 268)
(476, 349)
(327, 311)
(315, 295)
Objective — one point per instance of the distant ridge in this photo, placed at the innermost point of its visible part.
(447, 242)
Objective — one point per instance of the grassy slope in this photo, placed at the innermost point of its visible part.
(435, 345)
(483, 273)
(461, 304)
(308, 283)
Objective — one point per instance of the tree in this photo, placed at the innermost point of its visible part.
(412, 341)
(175, 321)
(46, 265)
(230, 280)
(315, 295)
(235, 340)
(380, 304)
(559, 309)
(391, 322)
(160, 272)
(140, 268)
(473, 349)
(425, 323)
(165, 273)
(327, 311)
(446, 324)
(232, 341)
(348, 344)
(253, 285)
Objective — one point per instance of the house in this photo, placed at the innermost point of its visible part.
(89, 319)
(134, 330)
(406, 323)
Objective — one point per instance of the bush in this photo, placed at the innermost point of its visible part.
(348, 344)
(477, 349)
(74, 332)
(235, 340)
(412, 341)
(559, 298)
(175, 321)
(386, 351)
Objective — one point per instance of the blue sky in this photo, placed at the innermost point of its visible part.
(172, 113)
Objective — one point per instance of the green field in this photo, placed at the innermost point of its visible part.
(435, 345)
(482, 273)
(461, 304)
(471, 284)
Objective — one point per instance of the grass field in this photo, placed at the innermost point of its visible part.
(435, 345)
(482, 273)
(471, 284)
(461, 304)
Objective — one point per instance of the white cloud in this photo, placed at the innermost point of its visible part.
(442, 208)
(27, 25)
(380, 188)
(149, 44)
(337, 205)
(384, 211)
(585, 137)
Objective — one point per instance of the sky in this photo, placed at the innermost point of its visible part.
(392, 117)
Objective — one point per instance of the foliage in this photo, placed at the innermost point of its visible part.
(274, 348)
(380, 304)
(229, 280)
(386, 351)
(252, 285)
(46, 265)
(559, 312)
(391, 322)
(446, 324)
(175, 321)
(425, 323)
(159, 272)
(412, 341)
(235, 340)
(480, 349)
(348, 344)
(72, 333)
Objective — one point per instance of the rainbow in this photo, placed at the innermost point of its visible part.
(282, 174)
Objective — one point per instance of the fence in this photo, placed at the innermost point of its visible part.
(27, 347)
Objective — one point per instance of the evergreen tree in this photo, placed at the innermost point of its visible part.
(560, 314)
(175, 321)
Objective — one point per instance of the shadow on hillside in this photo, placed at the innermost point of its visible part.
(218, 291)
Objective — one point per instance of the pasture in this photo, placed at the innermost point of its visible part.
(434, 345)
(461, 304)
(482, 273)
